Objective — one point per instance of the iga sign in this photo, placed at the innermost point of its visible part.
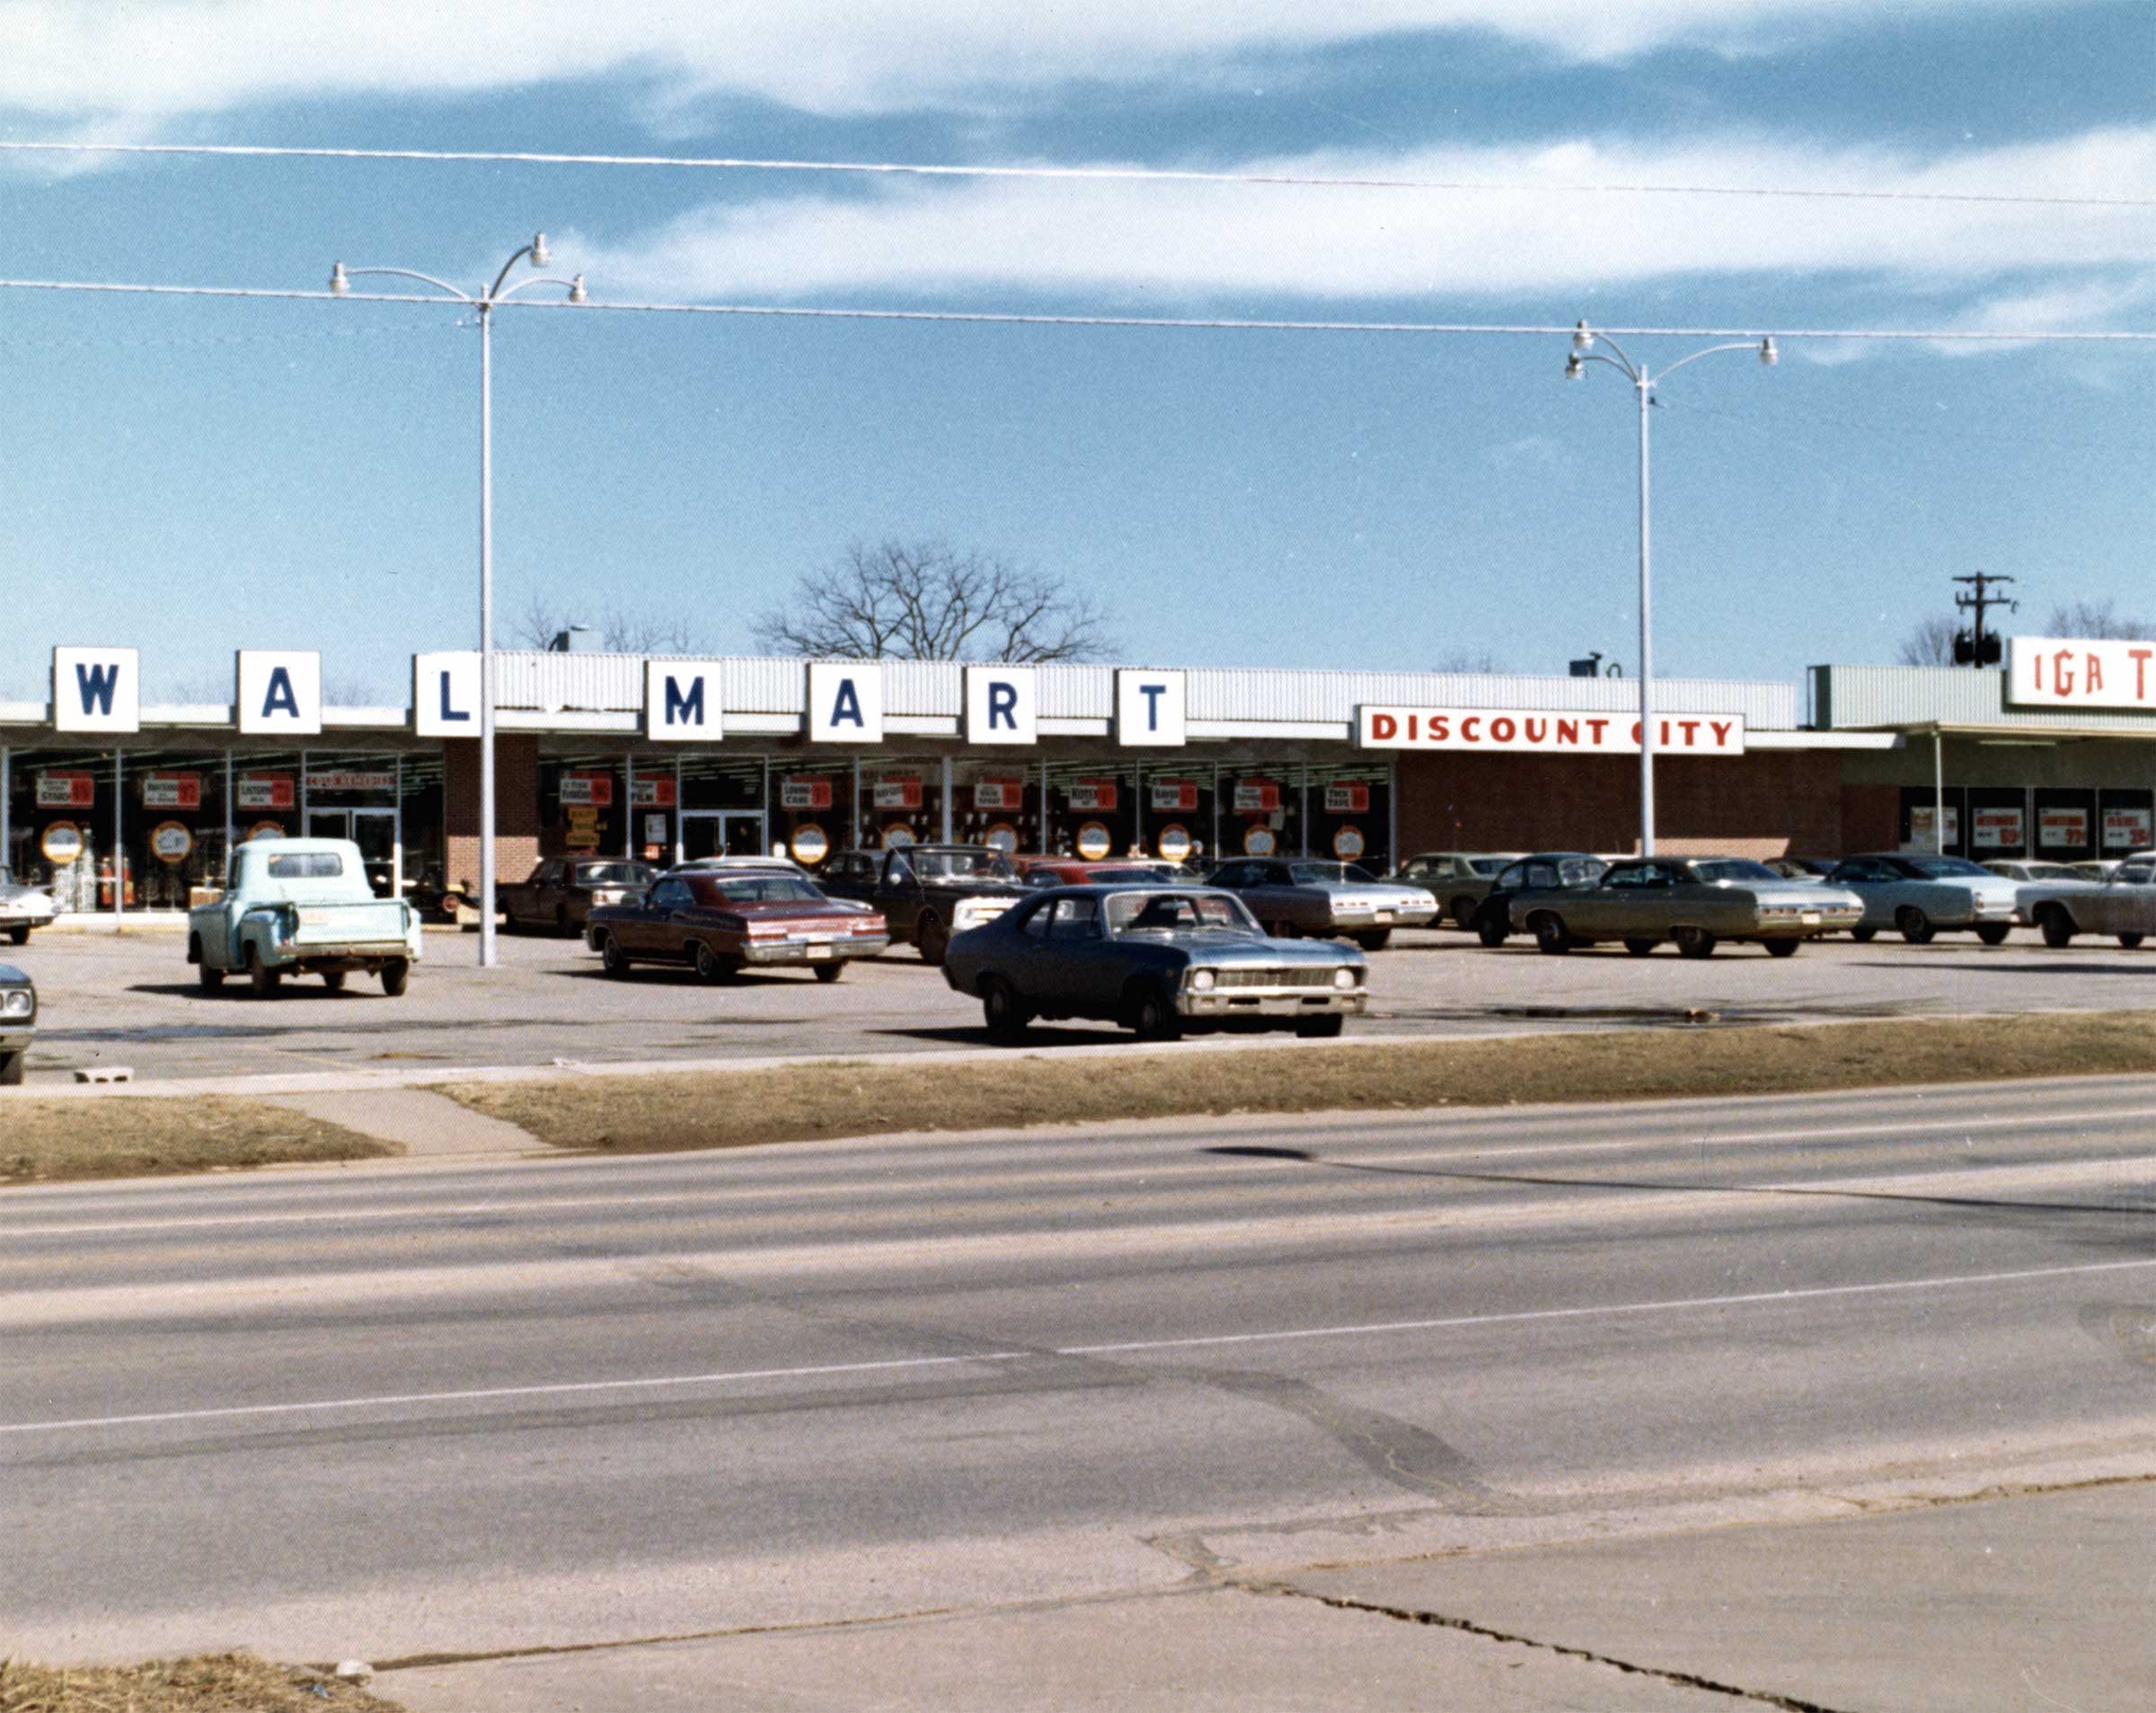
(2062, 829)
(1995, 829)
(2054, 672)
(1546, 731)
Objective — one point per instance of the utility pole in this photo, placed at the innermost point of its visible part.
(1976, 647)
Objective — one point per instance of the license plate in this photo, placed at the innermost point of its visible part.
(1810, 919)
(823, 950)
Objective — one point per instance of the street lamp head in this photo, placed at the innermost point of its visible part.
(577, 294)
(540, 257)
(1574, 368)
(1583, 341)
(1768, 355)
(340, 282)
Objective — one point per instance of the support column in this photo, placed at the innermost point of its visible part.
(7, 799)
(947, 772)
(120, 834)
(1938, 793)
(629, 806)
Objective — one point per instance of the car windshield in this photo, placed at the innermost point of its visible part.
(1486, 865)
(1580, 872)
(611, 874)
(768, 888)
(1329, 874)
(2051, 871)
(1142, 913)
(1734, 869)
(961, 865)
(1947, 868)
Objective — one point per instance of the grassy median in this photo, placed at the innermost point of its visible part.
(837, 1097)
(212, 1684)
(44, 1141)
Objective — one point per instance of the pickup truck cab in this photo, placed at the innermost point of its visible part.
(302, 907)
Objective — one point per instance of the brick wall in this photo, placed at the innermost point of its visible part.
(515, 807)
(1766, 803)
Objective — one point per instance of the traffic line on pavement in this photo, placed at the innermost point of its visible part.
(587, 1388)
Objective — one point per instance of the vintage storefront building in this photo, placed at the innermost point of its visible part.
(118, 805)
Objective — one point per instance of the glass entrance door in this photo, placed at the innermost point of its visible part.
(706, 833)
(375, 831)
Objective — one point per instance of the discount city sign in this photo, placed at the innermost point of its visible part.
(1544, 730)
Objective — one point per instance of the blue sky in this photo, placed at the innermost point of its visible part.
(194, 476)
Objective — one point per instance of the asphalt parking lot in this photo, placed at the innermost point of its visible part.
(131, 1000)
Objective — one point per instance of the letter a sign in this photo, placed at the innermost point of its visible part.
(96, 690)
(280, 692)
(846, 703)
(683, 702)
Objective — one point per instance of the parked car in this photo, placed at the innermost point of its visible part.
(1920, 895)
(302, 907)
(18, 1022)
(1038, 871)
(1544, 871)
(2096, 868)
(1801, 868)
(742, 864)
(560, 892)
(1459, 880)
(2029, 871)
(1326, 899)
(23, 907)
(1156, 959)
(1699, 902)
(928, 892)
(2123, 905)
(721, 924)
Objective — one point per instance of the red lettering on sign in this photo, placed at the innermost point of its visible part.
(1597, 726)
(1502, 730)
(2140, 657)
(1722, 729)
(1635, 731)
(1690, 728)
(1568, 731)
(1384, 726)
(1537, 730)
(2096, 674)
(1467, 728)
(1413, 721)
(1441, 729)
(2062, 671)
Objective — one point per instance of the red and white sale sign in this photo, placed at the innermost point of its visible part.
(1256, 796)
(172, 791)
(652, 791)
(897, 793)
(265, 791)
(1343, 798)
(797, 792)
(1175, 795)
(1093, 796)
(2062, 829)
(587, 790)
(998, 794)
(67, 790)
(2129, 830)
(1995, 829)
(1548, 730)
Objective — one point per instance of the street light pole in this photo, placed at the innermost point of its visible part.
(341, 279)
(1643, 383)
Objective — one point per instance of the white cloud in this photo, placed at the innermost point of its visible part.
(1166, 240)
(167, 59)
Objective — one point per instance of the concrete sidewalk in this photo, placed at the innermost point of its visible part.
(425, 1124)
(2023, 1604)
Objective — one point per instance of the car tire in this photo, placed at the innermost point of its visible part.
(1640, 948)
(710, 967)
(260, 978)
(612, 960)
(933, 939)
(830, 972)
(1549, 935)
(1781, 948)
(334, 979)
(1463, 912)
(1994, 934)
(1375, 939)
(396, 976)
(1694, 943)
(1151, 1015)
(1915, 926)
(210, 979)
(1863, 936)
(2131, 941)
(2055, 926)
(1006, 1018)
(561, 919)
(1490, 930)
(11, 1069)
(19, 934)
(1319, 1028)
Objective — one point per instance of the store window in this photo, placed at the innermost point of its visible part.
(2128, 821)
(359, 798)
(721, 810)
(583, 805)
(2066, 828)
(810, 809)
(60, 825)
(1260, 809)
(1999, 826)
(901, 802)
(997, 803)
(1093, 811)
(1351, 814)
(1919, 830)
(171, 827)
(1178, 803)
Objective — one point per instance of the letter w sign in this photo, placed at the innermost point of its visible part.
(684, 701)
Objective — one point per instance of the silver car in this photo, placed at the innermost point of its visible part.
(1458, 880)
(2123, 905)
(2031, 878)
(18, 1022)
(22, 908)
(1334, 900)
(1699, 902)
(1919, 895)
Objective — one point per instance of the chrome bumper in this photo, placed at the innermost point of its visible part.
(1282, 1001)
(806, 951)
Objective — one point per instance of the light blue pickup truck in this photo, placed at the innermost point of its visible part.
(302, 907)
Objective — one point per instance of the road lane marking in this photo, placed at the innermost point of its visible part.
(587, 1388)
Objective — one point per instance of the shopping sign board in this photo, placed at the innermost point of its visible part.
(2062, 829)
(1342, 798)
(1007, 794)
(172, 791)
(1093, 796)
(1255, 796)
(587, 790)
(897, 793)
(797, 793)
(1550, 730)
(264, 792)
(1924, 826)
(2129, 830)
(1995, 829)
(652, 791)
(2069, 672)
(1175, 795)
(67, 790)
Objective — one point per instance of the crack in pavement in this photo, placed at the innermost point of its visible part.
(1468, 1627)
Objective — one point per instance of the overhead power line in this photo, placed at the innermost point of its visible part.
(1015, 318)
(1134, 175)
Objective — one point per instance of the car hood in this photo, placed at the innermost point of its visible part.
(1216, 948)
(10, 976)
(794, 909)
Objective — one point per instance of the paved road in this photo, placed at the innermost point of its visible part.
(132, 1000)
(396, 1411)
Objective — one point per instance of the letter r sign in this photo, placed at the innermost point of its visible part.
(1000, 705)
(684, 701)
(1149, 709)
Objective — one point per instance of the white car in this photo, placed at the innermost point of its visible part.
(1920, 895)
(22, 908)
(2123, 905)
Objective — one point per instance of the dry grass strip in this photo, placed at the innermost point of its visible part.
(44, 1141)
(212, 1684)
(836, 1098)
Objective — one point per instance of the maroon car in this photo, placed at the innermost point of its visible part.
(721, 923)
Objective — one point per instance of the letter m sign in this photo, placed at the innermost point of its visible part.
(684, 701)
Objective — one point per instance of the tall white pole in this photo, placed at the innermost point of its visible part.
(1645, 388)
(486, 636)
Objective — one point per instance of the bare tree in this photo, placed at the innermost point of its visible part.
(1929, 643)
(1466, 661)
(2102, 618)
(923, 601)
(620, 629)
